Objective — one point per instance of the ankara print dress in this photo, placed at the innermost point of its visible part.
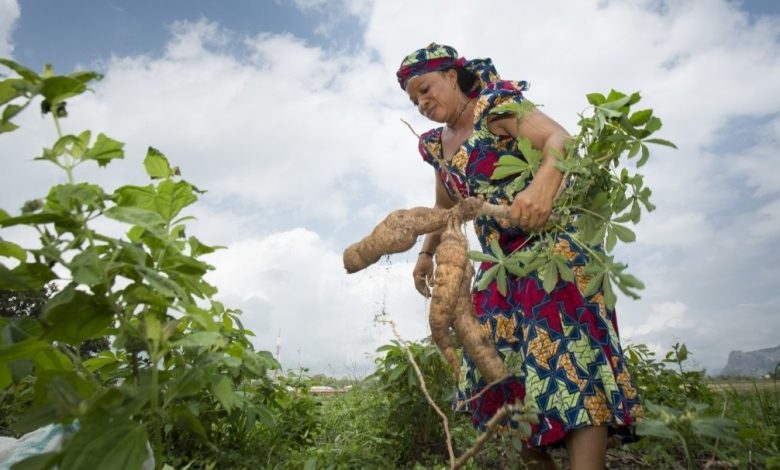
(561, 349)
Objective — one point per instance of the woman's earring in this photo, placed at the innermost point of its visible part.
(453, 85)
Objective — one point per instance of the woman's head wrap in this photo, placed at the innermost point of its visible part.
(437, 57)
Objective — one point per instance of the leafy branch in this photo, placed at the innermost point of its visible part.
(598, 197)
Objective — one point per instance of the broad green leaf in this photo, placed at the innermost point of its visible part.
(162, 284)
(156, 164)
(59, 88)
(32, 275)
(22, 350)
(10, 89)
(12, 250)
(653, 124)
(85, 76)
(615, 103)
(10, 111)
(222, 388)
(32, 219)
(191, 382)
(172, 197)
(596, 99)
(205, 339)
(7, 127)
(611, 240)
(20, 69)
(75, 316)
(105, 150)
(149, 220)
(87, 267)
(198, 248)
(563, 268)
(641, 117)
(111, 444)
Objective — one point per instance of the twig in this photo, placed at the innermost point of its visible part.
(490, 431)
(424, 389)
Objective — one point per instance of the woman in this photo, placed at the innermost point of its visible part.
(562, 348)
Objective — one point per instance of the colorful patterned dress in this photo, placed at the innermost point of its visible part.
(562, 349)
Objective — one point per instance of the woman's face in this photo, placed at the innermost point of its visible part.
(434, 95)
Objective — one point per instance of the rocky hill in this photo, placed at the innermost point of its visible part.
(752, 363)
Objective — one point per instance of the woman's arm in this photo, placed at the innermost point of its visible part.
(423, 270)
(533, 205)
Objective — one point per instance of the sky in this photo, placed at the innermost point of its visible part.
(288, 113)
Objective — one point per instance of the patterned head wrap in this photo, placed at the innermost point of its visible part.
(437, 57)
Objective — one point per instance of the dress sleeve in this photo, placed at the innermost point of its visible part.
(430, 145)
(497, 93)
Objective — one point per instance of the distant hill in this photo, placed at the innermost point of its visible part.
(752, 363)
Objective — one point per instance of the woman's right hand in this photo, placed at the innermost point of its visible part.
(423, 274)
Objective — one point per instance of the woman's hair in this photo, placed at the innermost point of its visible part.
(467, 81)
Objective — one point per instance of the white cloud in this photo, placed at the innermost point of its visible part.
(302, 151)
(9, 13)
(292, 287)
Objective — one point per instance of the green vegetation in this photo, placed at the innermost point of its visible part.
(182, 376)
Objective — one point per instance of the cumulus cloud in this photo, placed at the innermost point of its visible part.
(301, 149)
(9, 13)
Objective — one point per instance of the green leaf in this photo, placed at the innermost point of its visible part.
(549, 277)
(501, 280)
(31, 275)
(59, 88)
(480, 256)
(75, 316)
(105, 150)
(222, 388)
(198, 248)
(88, 268)
(645, 156)
(172, 197)
(624, 233)
(23, 71)
(496, 249)
(156, 164)
(111, 444)
(32, 219)
(653, 124)
(149, 220)
(26, 349)
(609, 295)
(487, 277)
(162, 284)
(10, 89)
(656, 428)
(12, 250)
(595, 99)
(6, 379)
(205, 339)
(641, 117)
(660, 142)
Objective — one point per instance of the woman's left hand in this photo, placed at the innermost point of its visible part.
(531, 207)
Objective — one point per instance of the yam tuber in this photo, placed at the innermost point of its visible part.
(472, 337)
(451, 261)
(398, 232)
(451, 306)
